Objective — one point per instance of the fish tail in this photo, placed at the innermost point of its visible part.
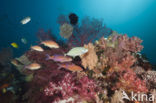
(59, 66)
(25, 67)
(65, 54)
(47, 57)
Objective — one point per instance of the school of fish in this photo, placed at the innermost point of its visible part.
(64, 59)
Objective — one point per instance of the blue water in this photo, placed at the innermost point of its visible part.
(134, 17)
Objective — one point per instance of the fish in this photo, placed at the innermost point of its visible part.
(37, 48)
(59, 58)
(50, 44)
(4, 86)
(25, 20)
(15, 45)
(33, 66)
(23, 40)
(16, 62)
(71, 67)
(77, 51)
(4, 90)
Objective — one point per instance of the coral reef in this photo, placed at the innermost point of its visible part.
(112, 65)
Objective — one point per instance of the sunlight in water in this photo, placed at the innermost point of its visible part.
(115, 11)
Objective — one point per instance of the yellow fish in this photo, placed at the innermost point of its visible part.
(15, 45)
(4, 90)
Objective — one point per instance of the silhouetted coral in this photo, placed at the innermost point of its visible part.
(42, 35)
(88, 31)
(73, 18)
(62, 19)
(5, 56)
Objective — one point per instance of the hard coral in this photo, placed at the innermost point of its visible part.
(90, 59)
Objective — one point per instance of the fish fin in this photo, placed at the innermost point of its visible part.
(65, 54)
(47, 57)
(59, 66)
(25, 67)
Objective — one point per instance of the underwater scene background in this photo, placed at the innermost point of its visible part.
(77, 51)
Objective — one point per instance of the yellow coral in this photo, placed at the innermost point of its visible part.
(89, 59)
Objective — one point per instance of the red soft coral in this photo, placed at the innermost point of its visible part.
(70, 86)
(130, 82)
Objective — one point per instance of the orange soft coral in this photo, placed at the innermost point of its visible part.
(89, 59)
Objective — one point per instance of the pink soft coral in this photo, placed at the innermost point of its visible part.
(130, 44)
(80, 90)
(130, 82)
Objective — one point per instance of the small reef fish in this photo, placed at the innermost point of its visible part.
(4, 90)
(25, 20)
(23, 40)
(50, 44)
(77, 51)
(33, 66)
(4, 86)
(16, 62)
(15, 45)
(37, 48)
(71, 67)
(59, 58)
